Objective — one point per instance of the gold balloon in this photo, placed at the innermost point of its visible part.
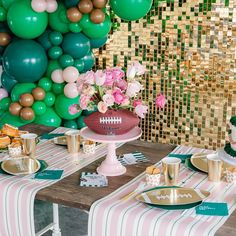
(74, 15)
(15, 108)
(38, 93)
(26, 100)
(27, 113)
(99, 3)
(5, 39)
(85, 6)
(97, 16)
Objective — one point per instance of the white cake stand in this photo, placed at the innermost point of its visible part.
(111, 166)
(226, 157)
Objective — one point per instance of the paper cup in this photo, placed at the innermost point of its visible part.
(215, 167)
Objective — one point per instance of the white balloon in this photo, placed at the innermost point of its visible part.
(71, 91)
(57, 76)
(70, 74)
(51, 6)
(39, 5)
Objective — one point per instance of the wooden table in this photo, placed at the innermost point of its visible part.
(68, 192)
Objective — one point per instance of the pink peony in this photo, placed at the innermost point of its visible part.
(89, 77)
(109, 78)
(131, 72)
(102, 107)
(139, 68)
(73, 109)
(108, 99)
(121, 84)
(133, 88)
(141, 110)
(100, 77)
(161, 101)
(84, 101)
(117, 73)
(137, 102)
(118, 96)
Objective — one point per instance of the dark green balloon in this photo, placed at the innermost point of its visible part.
(96, 31)
(71, 3)
(80, 122)
(39, 108)
(25, 60)
(79, 65)
(131, 9)
(70, 124)
(97, 43)
(75, 27)
(7, 81)
(76, 44)
(43, 39)
(62, 105)
(49, 118)
(3, 14)
(55, 52)
(58, 88)
(45, 83)
(52, 65)
(24, 22)
(55, 38)
(21, 88)
(49, 99)
(56, 22)
(66, 60)
(89, 61)
(5, 103)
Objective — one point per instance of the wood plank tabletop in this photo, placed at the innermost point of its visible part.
(68, 192)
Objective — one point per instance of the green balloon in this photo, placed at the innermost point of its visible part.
(7, 81)
(76, 44)
(71, 3)
(39, 108)
(80, 122)
(55, 52)
(122, 8)
(55, 38)
(58, 88)
(79, 64)
(5, 103)
(89, 61)
(49, 99)
(85, 22)
(75, 27)
(25, 60)
(3, 14)
(43, 39)
(70, 124)
(97, 43)
(96, 31)
(62, 105)
(56, 22)
(21, 88)
(66, 60)
(49, 118)
(52, 65)
(7, 3)
(45, 83)
(24, 22)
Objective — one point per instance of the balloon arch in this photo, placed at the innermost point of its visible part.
(44, 46)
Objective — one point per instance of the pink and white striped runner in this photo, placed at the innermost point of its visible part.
(17, 194)
(111, 216)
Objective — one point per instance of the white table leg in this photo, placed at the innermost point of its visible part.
(56, 228)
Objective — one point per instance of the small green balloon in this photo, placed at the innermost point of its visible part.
(79, 65)
(7, 81)
(80, 122)
(43, 39)
(71, 3)
(52, 65)
(21, 88)
(3, 14)
(58, 88)
(70, 124)
(45, 83)
(63, 17)
(55, 38)
(85, 22)
(49, 118)
(55, 52)
(75, 27)
(5, 103)
(66, 60)
(49, 99)
(89, 61)
(39, 108)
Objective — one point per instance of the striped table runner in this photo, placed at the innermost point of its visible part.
(17, 194)
(111, 216)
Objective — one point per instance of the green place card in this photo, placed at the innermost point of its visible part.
(212, 209)
(183, 157)
(49, 174)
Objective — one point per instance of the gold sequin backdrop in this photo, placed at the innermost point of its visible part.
(189, 50)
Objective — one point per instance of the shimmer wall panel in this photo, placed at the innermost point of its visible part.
(189, 50)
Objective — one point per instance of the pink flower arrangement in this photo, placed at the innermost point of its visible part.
(112, 89)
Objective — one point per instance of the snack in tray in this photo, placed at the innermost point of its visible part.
(14, 149)
(230, 174)
(153, 175)
(4, 140)
(10, 130)
(89, 146)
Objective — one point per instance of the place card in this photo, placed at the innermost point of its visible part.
(49, 174)
(88, 179)
(132, 158)
(212, 209)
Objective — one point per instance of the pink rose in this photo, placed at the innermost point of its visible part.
(84, 101)
(89, 90)
(133, 88)
(137, 102)
(141, 110)
(102, 107)
(73, 109)
(161, 101)
(100, 77)
(118, 96)
(80, 83)
(125, 102)
(131, 72)
(109, 78)
(117, 73)
(121, 84)
(108, 99)
(89, 77)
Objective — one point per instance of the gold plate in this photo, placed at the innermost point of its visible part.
(199, 161)
(172, 196)
(60, 140)
(21, 166)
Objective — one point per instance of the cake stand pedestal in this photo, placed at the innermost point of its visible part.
(111, 166)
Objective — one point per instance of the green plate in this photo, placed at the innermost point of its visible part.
(43, 166)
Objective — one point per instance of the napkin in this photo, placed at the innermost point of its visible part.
(88, 179)
(51, 135)
(183, 157)
(212, 209)
(49, 174)
(132, 158)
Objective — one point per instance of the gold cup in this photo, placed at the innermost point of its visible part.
(29, 144)
(171, 166)
(73, 141)
(215, 167)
